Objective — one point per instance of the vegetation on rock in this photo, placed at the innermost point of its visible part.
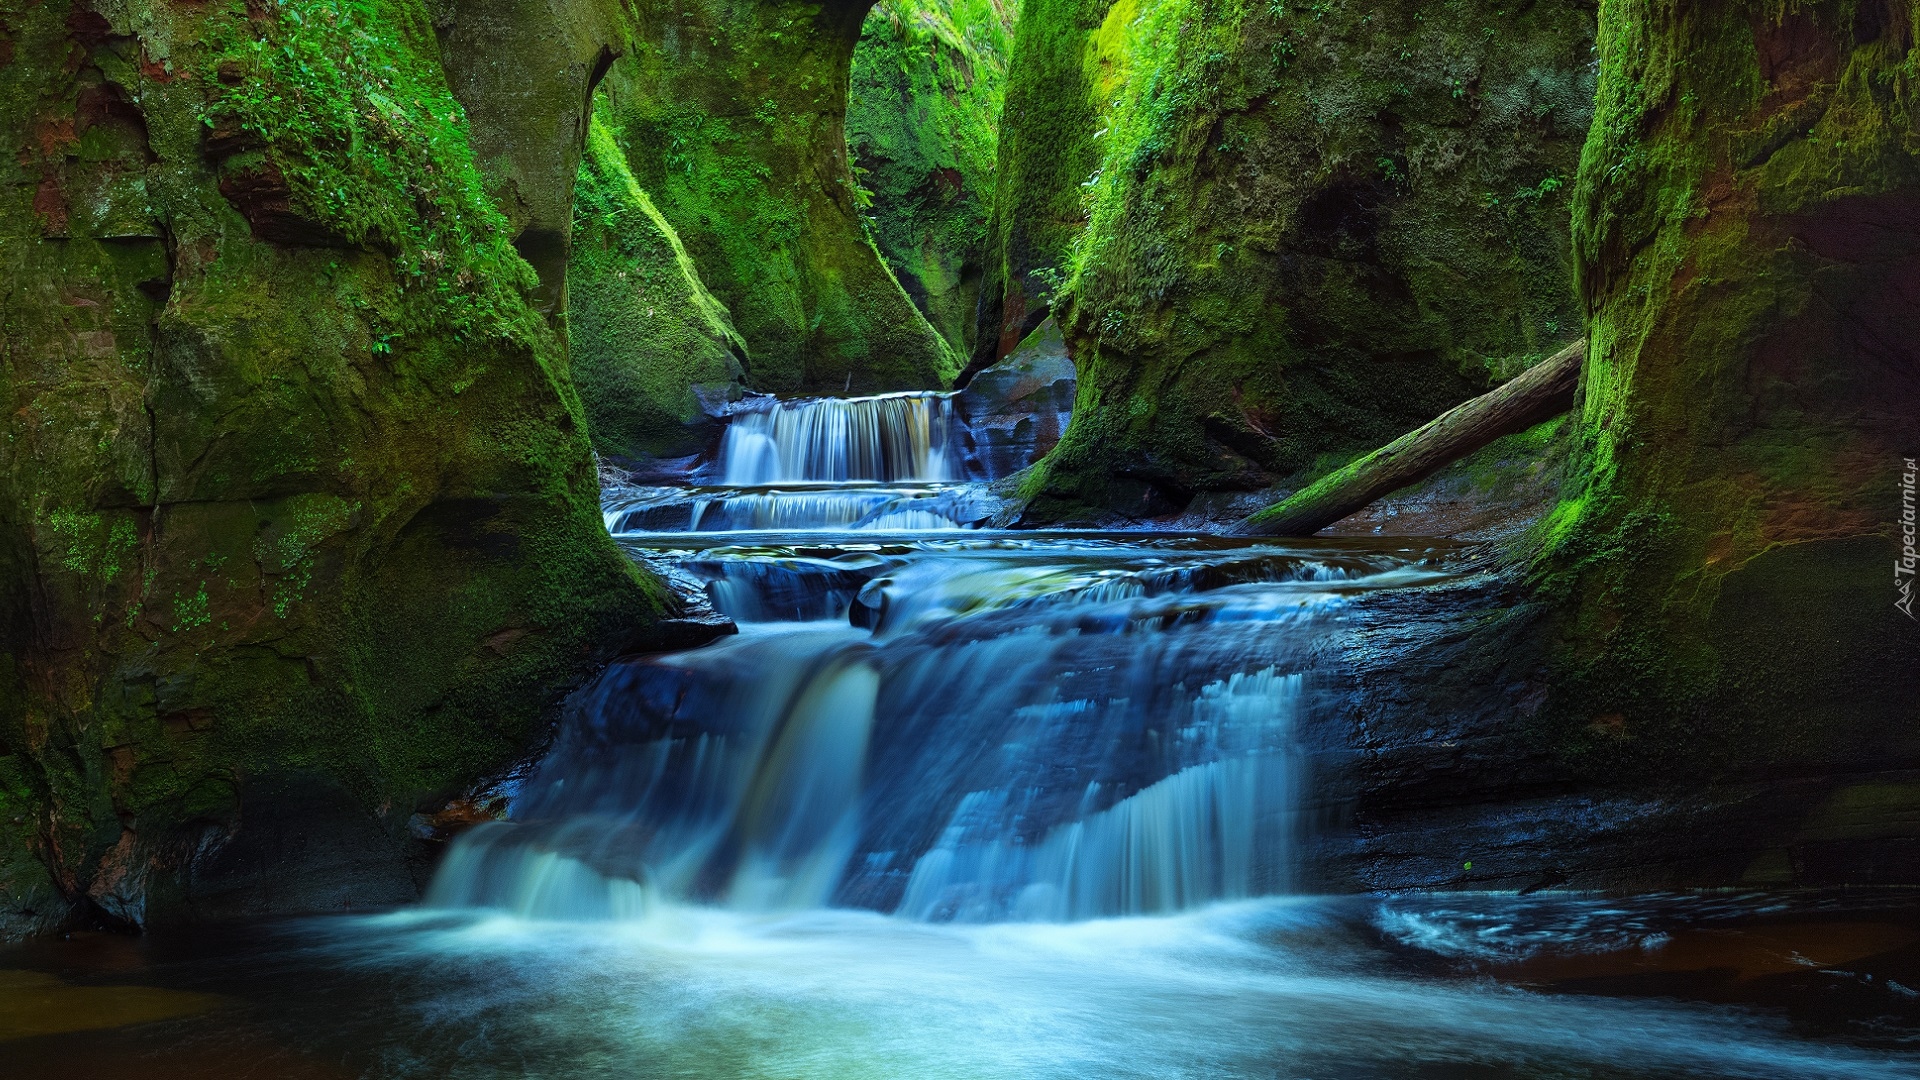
(653, 350)
(1272, 231)
(298, 523)
(1747, 226)
(922, 121)
(732, 115)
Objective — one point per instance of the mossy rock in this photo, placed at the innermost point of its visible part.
(923, 117)
(1273, 231)
(1748, 229)
(654, 353)
(295, 490)
(732, 116)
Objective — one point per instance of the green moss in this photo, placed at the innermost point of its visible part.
(297, 489)
(1720, 556)
(732, 117)
(1305, 229)
(1048, 148)
(352, 108)
(922, 122)
(648, 337)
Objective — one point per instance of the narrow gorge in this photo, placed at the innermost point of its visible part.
(960, 538)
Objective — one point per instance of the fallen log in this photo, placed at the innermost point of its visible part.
(1542, 392)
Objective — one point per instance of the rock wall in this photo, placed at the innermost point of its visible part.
(655, 355)
(298, 521)
(1015, 411)
(1748, 233)
(525, 74)
(1698, 672)
(732, 116)
(922, 121)
(1275, 232)
(1046, 151)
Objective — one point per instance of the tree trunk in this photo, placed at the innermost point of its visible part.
(1540, 393)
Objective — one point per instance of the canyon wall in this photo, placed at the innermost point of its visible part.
(732, 116)
(299, 531)
(1276, 232)
(922, 121)
(1747, 228)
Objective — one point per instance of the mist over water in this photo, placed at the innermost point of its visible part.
(1290, 988)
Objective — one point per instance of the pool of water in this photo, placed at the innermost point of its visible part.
(1456, 987)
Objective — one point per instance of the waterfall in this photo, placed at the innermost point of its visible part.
(1192, 837)
(979, 728)
(895, 437)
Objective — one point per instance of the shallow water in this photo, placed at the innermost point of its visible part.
(965, 804)
(1348, 988)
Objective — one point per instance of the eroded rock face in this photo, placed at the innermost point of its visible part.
(923, 119)
(1748, 230)
(732, 115)
(298, 520)
(1015, 411)
(1439, 764)
(655, 354)
(1703, 678)
(1271, 232)
(525, 74)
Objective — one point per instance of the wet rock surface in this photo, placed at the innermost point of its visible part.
(1435, 771)
(1016, 410)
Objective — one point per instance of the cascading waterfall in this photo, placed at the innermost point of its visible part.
(874, 464)
(971, 729)
(949, 726)
(966, 803)
(890, 438)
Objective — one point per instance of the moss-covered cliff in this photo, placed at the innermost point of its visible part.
(732, 116)
(922, 122)
(1271, 231)
(653, 351)
(298, 522)
(1046, 151)
(1748, 232)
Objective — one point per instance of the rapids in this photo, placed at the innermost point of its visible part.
(922, 719)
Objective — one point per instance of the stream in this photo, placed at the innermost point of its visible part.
(966, 802)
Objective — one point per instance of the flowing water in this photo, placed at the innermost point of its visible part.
(957, 802)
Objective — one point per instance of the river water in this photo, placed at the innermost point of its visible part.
(958, 802)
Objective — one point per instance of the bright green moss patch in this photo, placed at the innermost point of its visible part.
(349, 100)
(1715, 554)
(922, 121)
(648, 338)
(731, 115)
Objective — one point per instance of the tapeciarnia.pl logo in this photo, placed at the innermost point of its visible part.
(1904, 566)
